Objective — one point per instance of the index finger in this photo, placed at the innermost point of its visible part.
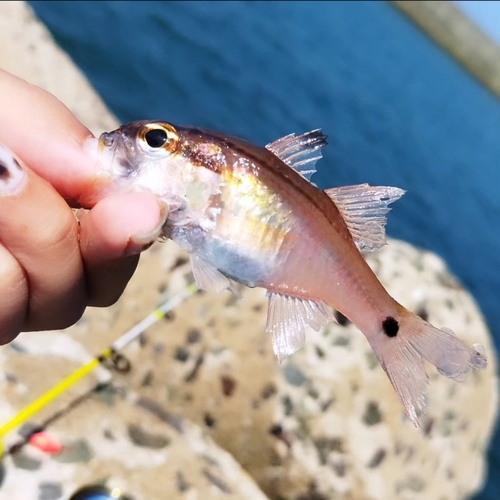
(44, 133)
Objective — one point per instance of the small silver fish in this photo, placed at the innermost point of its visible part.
(250, 215)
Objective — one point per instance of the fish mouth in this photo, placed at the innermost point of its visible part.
(112, 153)
(106, 141)
(104, 150)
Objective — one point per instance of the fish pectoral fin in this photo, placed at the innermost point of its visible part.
(363, 208)
(300, 152)
(288, 317)
(209, 278)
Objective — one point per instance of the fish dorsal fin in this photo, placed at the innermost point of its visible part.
(287, 318)
(210, 278)
(300, 152)
(363, 208)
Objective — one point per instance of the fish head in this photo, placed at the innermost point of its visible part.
(134, 151)
(180, 165)
(141, 156)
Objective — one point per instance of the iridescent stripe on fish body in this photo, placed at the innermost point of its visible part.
(252, 215)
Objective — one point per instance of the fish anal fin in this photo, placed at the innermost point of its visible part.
(363, 208)
(401, 356)
(210, 278)
(300, 152)
(288, 317)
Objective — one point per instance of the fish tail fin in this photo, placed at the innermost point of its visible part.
(402, 344)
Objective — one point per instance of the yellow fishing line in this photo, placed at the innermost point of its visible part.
(53, 393)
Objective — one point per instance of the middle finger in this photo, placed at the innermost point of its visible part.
(40, 231)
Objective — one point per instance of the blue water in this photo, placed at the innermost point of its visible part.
(398, 110)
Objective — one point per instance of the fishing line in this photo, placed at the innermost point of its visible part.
(110, 353)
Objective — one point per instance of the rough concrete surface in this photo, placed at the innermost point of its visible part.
(205, 411)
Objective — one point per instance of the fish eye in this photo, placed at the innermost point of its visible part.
(159, 136)
(156, 137)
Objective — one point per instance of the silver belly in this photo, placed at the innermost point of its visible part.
(231, 259)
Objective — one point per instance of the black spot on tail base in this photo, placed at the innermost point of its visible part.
(390, 326)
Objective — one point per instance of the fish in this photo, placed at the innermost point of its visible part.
(251, 215)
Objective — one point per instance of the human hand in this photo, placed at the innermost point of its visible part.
(51, 266)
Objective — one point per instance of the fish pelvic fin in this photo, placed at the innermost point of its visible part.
(210, 279)
(287, 319)
(300, 152)
(402, 344)
(363, 208)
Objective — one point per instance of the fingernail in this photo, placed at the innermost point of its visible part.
(12, 175)
(141, 242)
